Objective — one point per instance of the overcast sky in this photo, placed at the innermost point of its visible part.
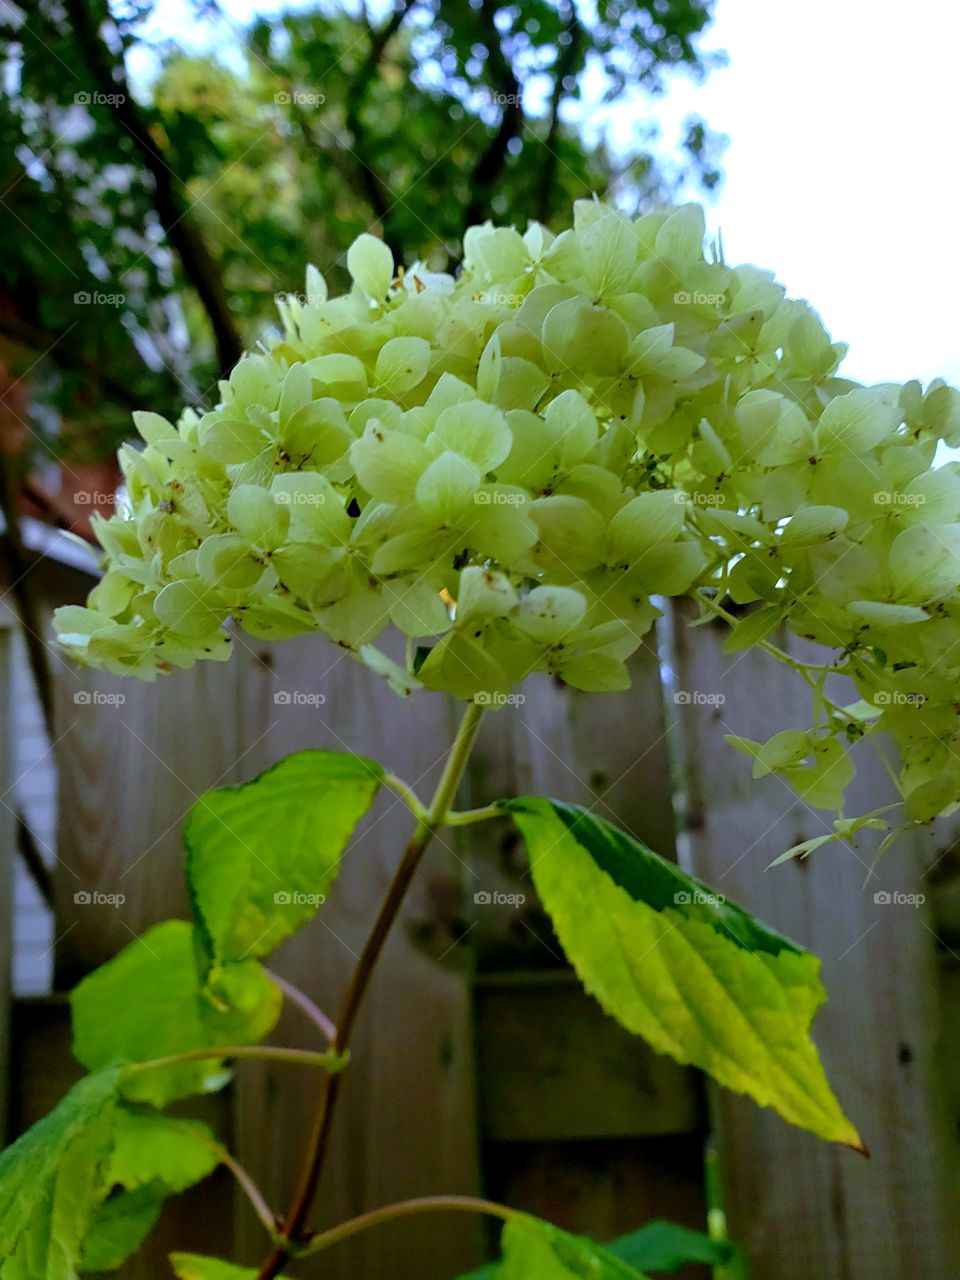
(842, 168)
(842, 172)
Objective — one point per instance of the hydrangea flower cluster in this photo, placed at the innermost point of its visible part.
(511, 465)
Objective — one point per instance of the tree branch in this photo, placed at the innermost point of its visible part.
(567, 57)
(491, 162)
(198, 266)
(53, 347)
(373, 186)
(33, 860)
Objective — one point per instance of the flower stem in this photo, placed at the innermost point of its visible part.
(250, 1188)
(303, 1001)
(403, 1209)
(427, 825)
(466, 816)
(329, 1059)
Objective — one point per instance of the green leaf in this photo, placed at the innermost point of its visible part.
(535, 1249)
(51, 1181)
(657, 1246)
(261, 856)
(151, 1148)
(120, 1226)
(196, 1266)
(665, 1246)
(696, 976)
(147, 1002)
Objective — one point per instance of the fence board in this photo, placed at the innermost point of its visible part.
(407, 1122)
(608, 753)
(129, 771)
(605, 751)
(802, 1207)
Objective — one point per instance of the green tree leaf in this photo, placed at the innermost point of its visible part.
(262, 856)
(197, 1266)
(657, 1246)
(155, 1148)
(697, 977)
(51, 1181)
(147, 1002)
(666, 1246)
(532, 1247)
(120, 1226)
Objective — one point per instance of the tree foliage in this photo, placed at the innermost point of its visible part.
(141, 203)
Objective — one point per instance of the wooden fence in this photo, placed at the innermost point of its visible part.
(479, 1062)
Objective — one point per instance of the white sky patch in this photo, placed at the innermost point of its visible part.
(841, 173)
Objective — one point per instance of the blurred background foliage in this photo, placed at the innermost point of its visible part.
(149, 217)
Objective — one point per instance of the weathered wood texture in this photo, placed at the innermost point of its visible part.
(557, 1075)
(802, 1207)
(129, 773)
(416, 1118)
